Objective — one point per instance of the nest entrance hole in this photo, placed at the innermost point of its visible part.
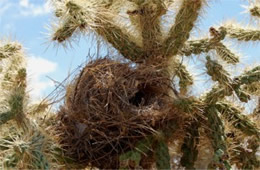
(143, 96)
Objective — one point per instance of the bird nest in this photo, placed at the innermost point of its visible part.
(109, 107)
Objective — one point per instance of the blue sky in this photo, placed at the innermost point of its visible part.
(26, 21)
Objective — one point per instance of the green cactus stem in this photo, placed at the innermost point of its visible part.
(226, 54)
(207, 44)
(255, 11)
(147, 16)
(16, 100)
(218, 93)
(197, 47)
(186, 79)
(249, 77)
(6, 116)
(238, 120)
(74, 20)
(217, 72)
(189, 146)
(121, 41)
(242, 34)
(135, 156)
(253, 88)
(9, 49)
(218, 139)
(101, 24)
(184, 22)
(65, 31)
(162, 155)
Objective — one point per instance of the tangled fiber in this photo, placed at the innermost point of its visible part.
(109, 107)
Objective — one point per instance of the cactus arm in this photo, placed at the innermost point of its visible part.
(240, 121)
(255, 11)
(189, 146)
(184, 22)
(6, 116)
(217, 134)
(16, 100)
(121, 41)
(162, 155)
(245, 157)
(217, 72)
(213, 110)
(79, 18)
(226, 54)
(249, 77)
(148, 21)
(185, 78)
(219, 92)
(242, 34)
(252, 89)
(197, 47)
(9, 49)
(207, 44)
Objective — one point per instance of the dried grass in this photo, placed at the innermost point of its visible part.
(109, 107)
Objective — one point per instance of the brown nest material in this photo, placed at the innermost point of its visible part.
(109, 107)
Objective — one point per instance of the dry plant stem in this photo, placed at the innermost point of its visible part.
(238, 120)
(242, 34)
(180, 31)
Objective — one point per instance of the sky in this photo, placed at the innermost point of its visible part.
(27, 21)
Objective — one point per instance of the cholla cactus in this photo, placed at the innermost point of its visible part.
(23, 142)
(134, 114)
